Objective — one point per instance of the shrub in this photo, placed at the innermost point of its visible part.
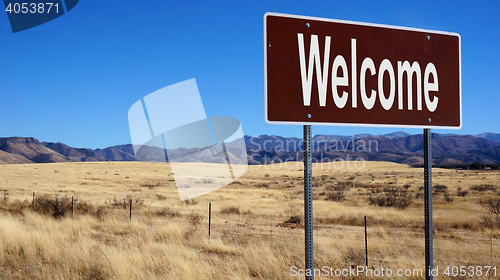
(264, 185)
(161, 196)
(354, 257)
(290, 206)
(338, 196)
(137, 201)
(392, 197)
(125, 203)
(149, 186)
(341, 186)
(462, 193)
(194, 220)
(490, 222)
(230, 210)
(51, 206)
(60, 207)
(447, 197)
(295, 219)
(99, 214)
(82, 207)
(475, 166)
(483, 187)
(350, 220)
(492, 205)
(168, 212)
(115, 203)
(345, 185)
(190, 201)
(14, 206)
(440, 188)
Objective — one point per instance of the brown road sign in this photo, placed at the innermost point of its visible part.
(331, 72)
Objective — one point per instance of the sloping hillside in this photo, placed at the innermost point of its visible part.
(396, 147)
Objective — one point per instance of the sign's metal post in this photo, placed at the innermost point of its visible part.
(428, 203)
(308, 207)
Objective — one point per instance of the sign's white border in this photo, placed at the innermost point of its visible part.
(365, 24)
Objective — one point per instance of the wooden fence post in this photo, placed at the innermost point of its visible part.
(131, 209)
(366, 245)
(209, 218)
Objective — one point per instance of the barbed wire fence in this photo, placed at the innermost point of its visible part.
(372, 243)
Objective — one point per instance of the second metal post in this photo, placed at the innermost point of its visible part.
(428, 203)
(308, 207)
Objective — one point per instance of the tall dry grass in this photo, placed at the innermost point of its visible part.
(40, 247)
(165, 239)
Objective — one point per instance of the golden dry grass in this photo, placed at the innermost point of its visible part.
(164, 241)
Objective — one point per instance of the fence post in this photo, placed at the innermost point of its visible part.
(366, 245)
(271, 231)
(491, 254)
(131, 209)
(209, 218)
(4, 194)
(72, 206)
(33, 204)
(317, 241)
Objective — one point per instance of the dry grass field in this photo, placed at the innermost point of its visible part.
(256, 230)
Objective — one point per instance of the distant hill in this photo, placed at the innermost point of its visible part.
(8, 158)
(117, 153)
(490, 153)
(495, 137)
(400, 147)
(30, 149)
(395, 135)
(440, 144)
(73, 154)
(446, 150)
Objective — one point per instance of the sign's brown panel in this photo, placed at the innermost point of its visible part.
(365, 80)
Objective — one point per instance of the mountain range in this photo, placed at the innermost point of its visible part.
(400, 147)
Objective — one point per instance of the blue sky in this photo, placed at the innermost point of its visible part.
(73, 79)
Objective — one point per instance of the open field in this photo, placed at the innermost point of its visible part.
(254, 233)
